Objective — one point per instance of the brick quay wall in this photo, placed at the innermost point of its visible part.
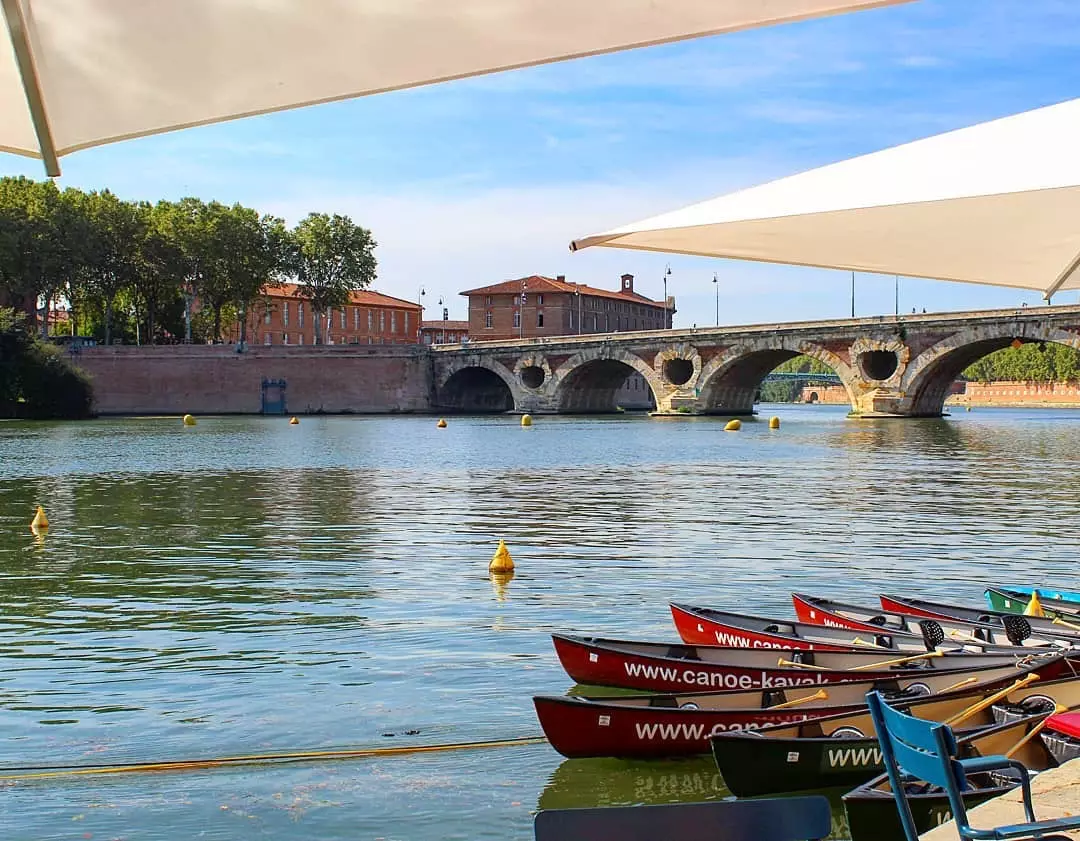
(215, 379)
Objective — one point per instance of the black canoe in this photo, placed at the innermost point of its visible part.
(842, 750)
(871, 808)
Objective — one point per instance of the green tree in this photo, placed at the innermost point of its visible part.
(36, 380)
(331, 257)
(112, 256)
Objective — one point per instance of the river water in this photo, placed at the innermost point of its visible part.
(245, 586)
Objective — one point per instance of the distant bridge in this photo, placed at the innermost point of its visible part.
(890, 366)
(802, 377)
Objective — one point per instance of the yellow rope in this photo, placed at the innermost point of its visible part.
(254, 759)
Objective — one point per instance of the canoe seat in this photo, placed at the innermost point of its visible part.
(683, 652)
(773, 819)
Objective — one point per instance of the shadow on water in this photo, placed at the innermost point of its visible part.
(584, 783)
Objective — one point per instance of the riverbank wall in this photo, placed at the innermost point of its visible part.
(216, 379)
(1002, 393)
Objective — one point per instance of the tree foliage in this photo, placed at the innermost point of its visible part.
(166, 272)
(1039, 362)
(36, 380)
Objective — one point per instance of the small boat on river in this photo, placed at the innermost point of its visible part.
(708, 626)
(681, 724)
(1053, 602)
(965, 625)
(663, 667)
(1039, 742)
(842, 750)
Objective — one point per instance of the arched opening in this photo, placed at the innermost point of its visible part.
(1003, 359)
(678, 371)
(532, 376)
(878, 364)
(474, 391)
(605, 385)
(768, 376)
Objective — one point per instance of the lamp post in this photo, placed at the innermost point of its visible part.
(420, 321)
(577, 294)
(521, 311)
(853, 294)
(896, 311)
(716, 288)
(667, 274)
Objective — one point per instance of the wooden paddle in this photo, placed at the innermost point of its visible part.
(964, 682)
(990, 699)
(1058, 708)
(820, 695)
(783, 662)
(1059, 621)
(896, 662)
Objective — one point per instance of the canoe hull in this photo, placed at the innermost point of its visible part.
(578, 728)
(754, 767)
(872, 816)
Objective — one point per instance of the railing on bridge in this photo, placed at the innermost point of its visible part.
(808, 378)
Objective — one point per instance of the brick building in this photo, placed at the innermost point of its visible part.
(443, 332)
(539, 306)
(284, 317)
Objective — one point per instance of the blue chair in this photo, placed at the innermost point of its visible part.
(776, 819)
(927, 751)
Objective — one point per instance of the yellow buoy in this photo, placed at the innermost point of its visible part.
(294, 420)
(526, 420)
(501, 562)
(774, 422)
(442, 423)
(1034, 607)
(733, 425)
(189, 420)
(40, 521)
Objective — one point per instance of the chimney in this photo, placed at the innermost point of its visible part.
(561, 278)
(627, 283)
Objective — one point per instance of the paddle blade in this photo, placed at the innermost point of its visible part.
(932, 633)
(1017, 629)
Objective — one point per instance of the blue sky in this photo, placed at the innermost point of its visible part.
(473, 182)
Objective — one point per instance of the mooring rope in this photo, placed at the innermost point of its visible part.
(31, 772)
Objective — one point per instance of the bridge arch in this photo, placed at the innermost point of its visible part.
(730, 381)
(477, 386)
(589, 381)
(929, 377)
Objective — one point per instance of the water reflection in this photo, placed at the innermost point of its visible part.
(245, 586)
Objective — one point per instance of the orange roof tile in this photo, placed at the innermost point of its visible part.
(360, 297)
(539, 283)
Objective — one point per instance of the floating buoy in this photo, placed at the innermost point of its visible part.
(526, 420)
(189, 420)
(733, 425)
(40, 521)
(774, 422)
(442, 423)
(968, 409)
(1034, 607)
(293, 421)
(501, 562)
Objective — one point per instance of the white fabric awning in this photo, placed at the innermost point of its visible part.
(996, 203)
(81, 73)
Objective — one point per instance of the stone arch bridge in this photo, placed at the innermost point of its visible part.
(890, 366)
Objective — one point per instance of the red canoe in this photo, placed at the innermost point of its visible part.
(706, 626)
(1006, 632)
(681, 725)
(660, 667)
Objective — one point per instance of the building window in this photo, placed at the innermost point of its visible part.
(382, 322)
(393, 321)
(571, 319)
(300, 316)
(268, 339)
(284, 338)
(356, 319)
(266, 315)
(300, 339)
(517, 319)
(343, 325)
(285, 314)
(370, 325)
(488, 301)
(539, 300)
(539, 319)
(487, 319)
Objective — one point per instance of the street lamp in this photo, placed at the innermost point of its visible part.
(667, 274)
(716, 288)
(420, 322)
